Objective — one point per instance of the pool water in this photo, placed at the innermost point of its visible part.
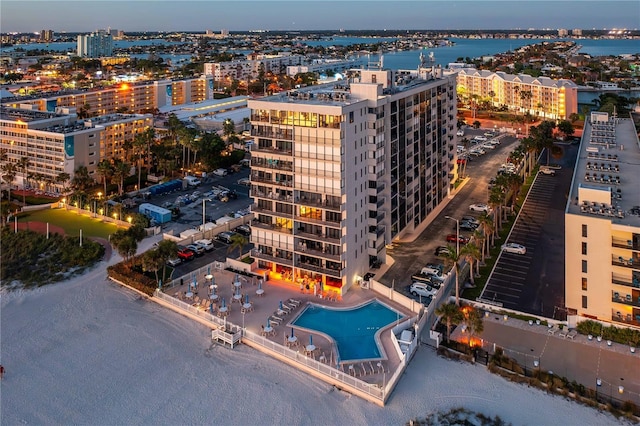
(352, 329)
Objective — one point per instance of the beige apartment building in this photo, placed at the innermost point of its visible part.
(57, 142)
(225, 72)
(128, 97)
(340, 170)
(602, 225)
(544, 97)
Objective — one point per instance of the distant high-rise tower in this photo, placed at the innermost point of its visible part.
(46, 35)
(95, 45)
(563, 32)
(577, 32)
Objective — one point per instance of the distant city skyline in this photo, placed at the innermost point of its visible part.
(162, 15)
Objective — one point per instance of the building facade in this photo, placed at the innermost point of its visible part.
(57, 142)
(539, 96)
(225, 72)
(95, 45)
(340, 170)
(602, 225)
(128, 97)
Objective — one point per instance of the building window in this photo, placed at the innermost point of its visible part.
(584, 302)
(584, 231)
(584, 248)
(584, 266)
(584, 283)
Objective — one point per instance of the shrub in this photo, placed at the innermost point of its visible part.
(132, 277)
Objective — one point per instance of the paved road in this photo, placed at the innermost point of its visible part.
(579, 359)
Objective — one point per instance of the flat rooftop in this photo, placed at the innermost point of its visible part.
(605, 182)
(25, 115)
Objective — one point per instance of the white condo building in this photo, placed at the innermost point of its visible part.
(602, 225)
(95, 45)
(340, 170)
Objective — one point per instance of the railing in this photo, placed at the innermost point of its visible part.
(629, 282)
(336, 273)
(317, 237)
(269, 257)
(316, 221)
(627, 319)
(272, 227)
(627, 300)
(627, 244)
(629, 263)
(329, 372)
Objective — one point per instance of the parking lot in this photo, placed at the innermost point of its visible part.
(534, 282)
(410, 257)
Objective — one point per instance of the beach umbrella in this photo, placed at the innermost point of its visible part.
(160, 283)
(268, 322)
(291, 331)
(224, 303)
(246, 299)
(195, 283)
(281, 308)
(310, 340)
(260, 284)
(211, 308)
(209, 270)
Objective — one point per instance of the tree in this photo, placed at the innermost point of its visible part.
(124, 244)
(574, 117)
(487, 227)
(476, 124)
(9, 173)
(452, 260)
(81, 180)
(228, 128)
(451, 314)
(63, 178)
(167, 249)
(139, 149)
(120, 173)
(473, 320)
(542, 134)
(471, 253)
(566, 128)
(105, 170)
(23, 164)
(152, 261)
(238, 241)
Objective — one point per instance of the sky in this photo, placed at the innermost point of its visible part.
(174, 15)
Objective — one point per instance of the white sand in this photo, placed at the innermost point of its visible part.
(90, 352)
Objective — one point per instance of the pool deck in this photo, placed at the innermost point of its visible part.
(266, 305)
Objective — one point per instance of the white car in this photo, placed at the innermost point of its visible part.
(428, 270)
(514, 248)
(220, 172)
(207, 245)
(244, 181)
(422, 289)
(547, 171)
(460, 132)
(494, 141)
(488, 146)
(479, 207)
(480, 138)
(174, 261)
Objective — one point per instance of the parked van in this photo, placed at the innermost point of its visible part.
(192, 181)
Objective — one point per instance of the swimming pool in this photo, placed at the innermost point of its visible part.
(353, 329)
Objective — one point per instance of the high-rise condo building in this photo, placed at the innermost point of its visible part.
(340, 170)
(95, 45)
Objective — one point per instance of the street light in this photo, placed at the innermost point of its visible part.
(204, 211)
(457, 256)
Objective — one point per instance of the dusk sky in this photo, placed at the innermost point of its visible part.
(160, 15)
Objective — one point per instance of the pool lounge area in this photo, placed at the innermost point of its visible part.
(269, 311)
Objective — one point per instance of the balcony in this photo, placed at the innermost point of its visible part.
(271, 258)
(271, 150)
(626, 262)
(627, 299)
(318, 253)
(625, 244)
(319, 236)
(313, 220)
(318, 202)
(271, 164)
(626, 318)
(619, 280)
(271, 195)
(271, 227)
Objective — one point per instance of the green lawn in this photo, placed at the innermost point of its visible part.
(71, 222)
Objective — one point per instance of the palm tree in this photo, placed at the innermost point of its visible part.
(451, 314)
(152, 261)
(4, 155)
(120, 173)
(9, 172)
(479, 238)
(140, 149)
(237, 241)
(487, 226)
(124, 243)
(23, 164)
(62, 178)
(451, 258)
(167, 249)
(473, 320)
(496, 199)
(105, 170)
(471, 254)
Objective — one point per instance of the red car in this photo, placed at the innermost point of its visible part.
(185, 254)
(451, 238)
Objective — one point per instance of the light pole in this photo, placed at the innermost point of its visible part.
(204, 211)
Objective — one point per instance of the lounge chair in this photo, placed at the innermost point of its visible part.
(294, 302)
(406, 337)
(562, 333)
(280, 312)
(275, 319)
(572, 334)
(552, 330)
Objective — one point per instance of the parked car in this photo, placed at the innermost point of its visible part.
(480, 138)
(244, 181)
(488, 145)
(225, 237)
(174, 262)
(471, 220)
(460, 132)
(514, 248)
(196, 248)
(207, 245)
(547, 171)
(480, 207)
(244, 230)
(185, 254)
(431, 270)
(440, 250)
(468, 226)
(422, 289)
(451, 238)
(220, 172)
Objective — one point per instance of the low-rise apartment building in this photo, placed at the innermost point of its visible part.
(57, 142)
(602, 225)
(340, 170)
(554, 99)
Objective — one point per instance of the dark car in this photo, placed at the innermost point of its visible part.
(244, 230)
(185, 254)
(468, 226)
(225, 237)
(441, 250)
